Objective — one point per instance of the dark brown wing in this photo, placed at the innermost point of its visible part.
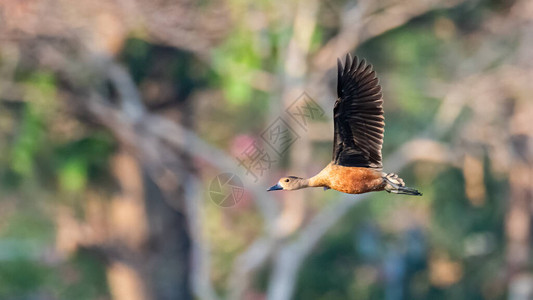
(358, 116)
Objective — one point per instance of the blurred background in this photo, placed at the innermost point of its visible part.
(138, 138)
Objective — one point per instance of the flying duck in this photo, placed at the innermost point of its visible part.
(356, 165)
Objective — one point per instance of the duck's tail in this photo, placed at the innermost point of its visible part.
(394, 184)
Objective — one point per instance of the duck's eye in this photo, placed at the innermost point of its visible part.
(287, 180)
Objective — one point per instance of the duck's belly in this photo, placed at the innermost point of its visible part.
(355, 180)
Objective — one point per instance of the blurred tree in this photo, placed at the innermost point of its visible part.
(112, 114)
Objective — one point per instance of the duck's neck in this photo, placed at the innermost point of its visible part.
(306, 182)
(303, 183)
(319, 180)
(315, 181)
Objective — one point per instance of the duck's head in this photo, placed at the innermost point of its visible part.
(290, 183)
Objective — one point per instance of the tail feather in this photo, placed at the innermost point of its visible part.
(395, 185)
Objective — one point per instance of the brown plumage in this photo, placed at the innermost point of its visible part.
(358, 138)
(351, 180)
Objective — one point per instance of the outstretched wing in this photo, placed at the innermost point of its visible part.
(358, 116)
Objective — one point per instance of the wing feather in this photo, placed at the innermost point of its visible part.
(358, 116)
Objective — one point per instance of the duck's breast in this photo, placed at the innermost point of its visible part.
(354, 180)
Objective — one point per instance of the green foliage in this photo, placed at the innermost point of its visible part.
(79, 161)
(83, 278)
(40, 93)
(136, 53)
(36, 159)
(234, 63)
(27, 143)
(73, 175)
(21, 277)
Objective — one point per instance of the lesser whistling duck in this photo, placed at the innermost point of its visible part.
(358, 138)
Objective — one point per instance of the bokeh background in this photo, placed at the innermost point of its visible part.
(117, 115)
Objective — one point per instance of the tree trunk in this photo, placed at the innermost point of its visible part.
(149, 256)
